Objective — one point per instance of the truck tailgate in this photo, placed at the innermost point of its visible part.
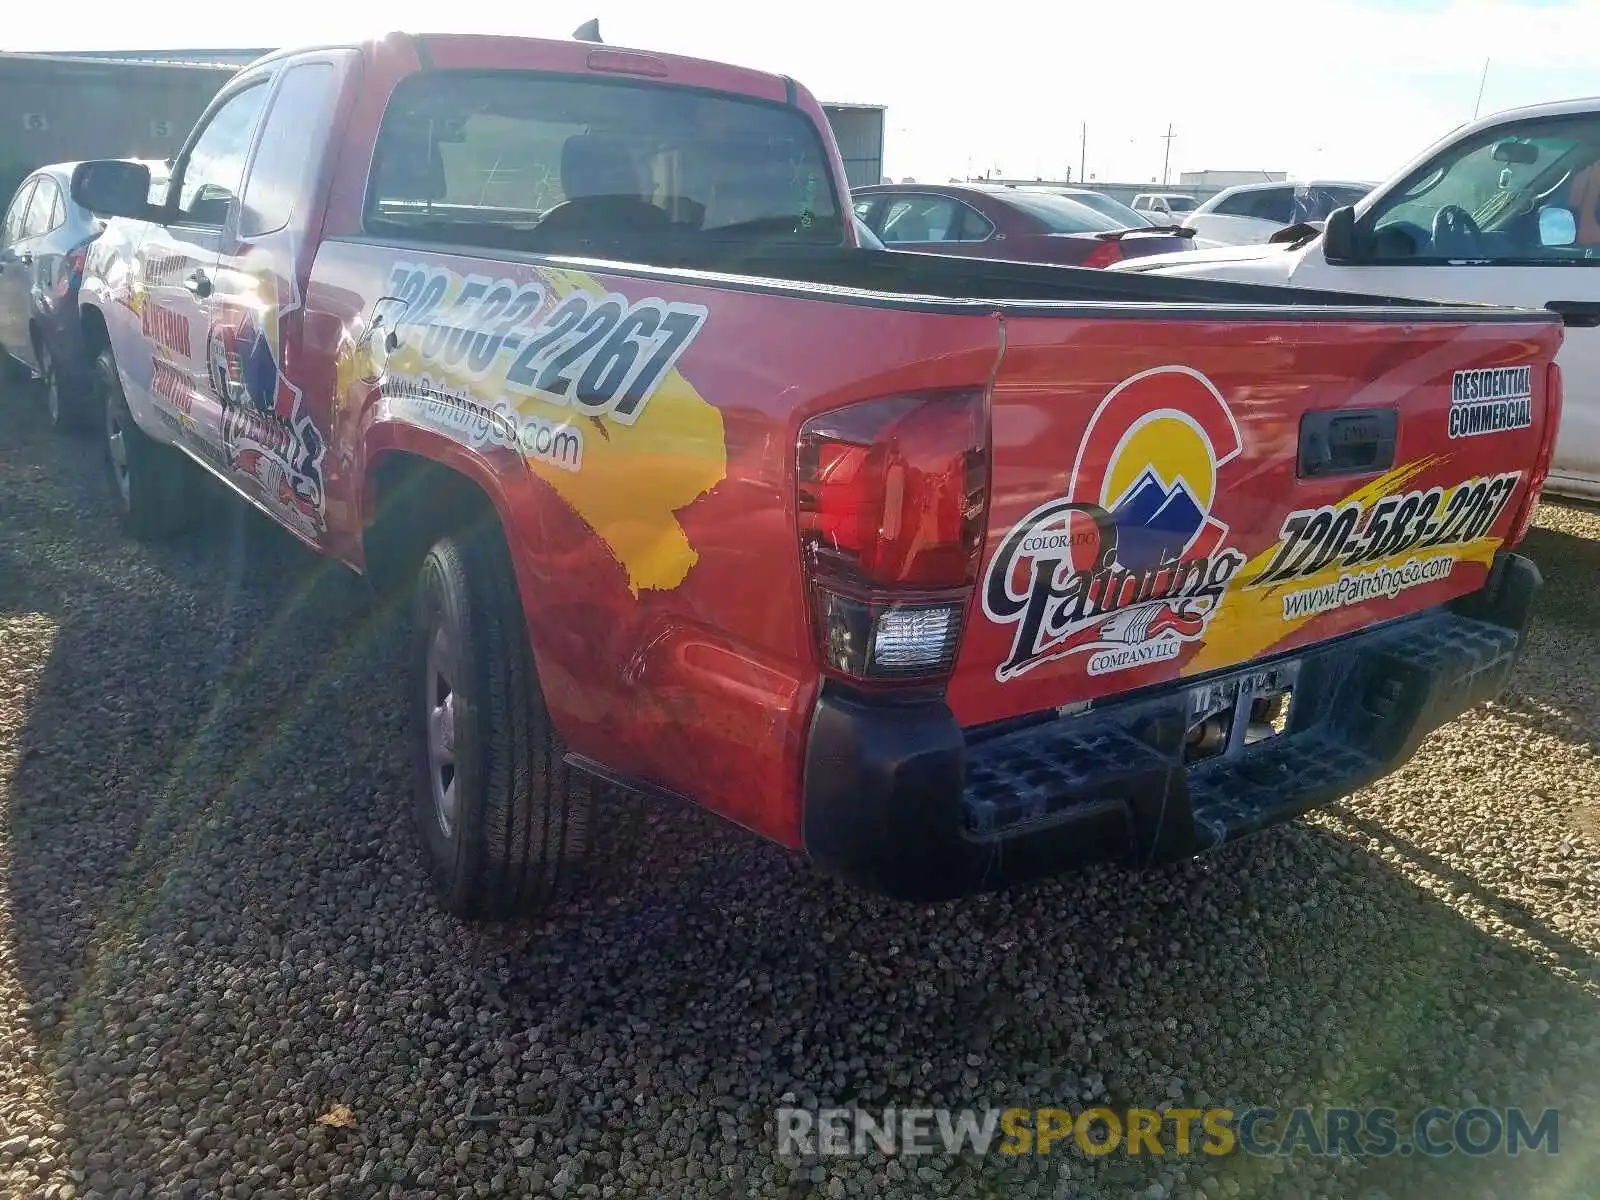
(1175, 496)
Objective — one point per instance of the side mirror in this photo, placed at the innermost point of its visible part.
(1557, 226)
(112, 187)
(1339, 236)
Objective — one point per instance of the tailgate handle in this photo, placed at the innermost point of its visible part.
(1347, 442)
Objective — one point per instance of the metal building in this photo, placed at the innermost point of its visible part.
(858, 128)
(64, 107)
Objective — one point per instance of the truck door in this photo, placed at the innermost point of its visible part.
(273, 433)
(175, 280)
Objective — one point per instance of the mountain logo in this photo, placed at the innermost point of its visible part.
(1129, 566)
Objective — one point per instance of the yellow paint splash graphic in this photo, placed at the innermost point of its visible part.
(633, 479)
(1251, 620)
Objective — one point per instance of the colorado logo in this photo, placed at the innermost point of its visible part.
(1130, 564)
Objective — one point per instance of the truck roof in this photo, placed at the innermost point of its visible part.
(503, 52)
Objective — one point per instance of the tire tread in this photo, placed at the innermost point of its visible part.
(519, 838)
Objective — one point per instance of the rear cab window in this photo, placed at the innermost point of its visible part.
(524, 160)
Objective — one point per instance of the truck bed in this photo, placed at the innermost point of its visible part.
(950, 284)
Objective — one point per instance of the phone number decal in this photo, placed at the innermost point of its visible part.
(603, 356)
(1355, 533)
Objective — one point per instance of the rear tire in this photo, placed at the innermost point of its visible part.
(68, 406)
(153, 485)
(504, 821)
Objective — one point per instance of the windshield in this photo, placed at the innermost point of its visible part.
(520, 160)
(1061, 215)
(1179, 204)
(1483, 198)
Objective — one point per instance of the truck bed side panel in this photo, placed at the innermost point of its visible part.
(643, 435)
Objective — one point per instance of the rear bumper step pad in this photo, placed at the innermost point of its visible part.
(899, 798)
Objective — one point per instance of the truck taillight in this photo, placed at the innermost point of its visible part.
(1553, 399)
(892, 497)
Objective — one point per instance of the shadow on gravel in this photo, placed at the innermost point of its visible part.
(1571, 568)
(224, 931)
(1555, 690)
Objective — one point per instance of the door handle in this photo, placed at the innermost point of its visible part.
(1347, 442)
(199, 283)
(1576, 314)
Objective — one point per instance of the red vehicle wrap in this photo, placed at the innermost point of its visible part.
(822, 541)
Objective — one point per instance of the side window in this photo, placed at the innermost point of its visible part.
(58, 211)
(289, 148)
(1525, 194)
(863, 208)
(17, 214)
(975, 227)
(1273, 204)
(215, 165)
(1236, 205)
(920, 219)
(46, 203)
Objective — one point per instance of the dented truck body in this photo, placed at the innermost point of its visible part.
(945, 574)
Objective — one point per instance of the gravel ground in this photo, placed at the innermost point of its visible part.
(214, 928)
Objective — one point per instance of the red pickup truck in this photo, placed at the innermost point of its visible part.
(945, 573)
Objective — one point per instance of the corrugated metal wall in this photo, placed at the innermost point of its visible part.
(65, 111)
(859, 132)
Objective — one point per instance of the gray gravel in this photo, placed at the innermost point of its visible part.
(214, 929)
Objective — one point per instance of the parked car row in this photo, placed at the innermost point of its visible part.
(996, 221)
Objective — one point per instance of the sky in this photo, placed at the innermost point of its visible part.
(1349, 89)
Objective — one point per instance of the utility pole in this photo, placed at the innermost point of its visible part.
(1083, 152)
(1166, 157)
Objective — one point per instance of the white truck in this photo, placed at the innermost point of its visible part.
(1505, 210)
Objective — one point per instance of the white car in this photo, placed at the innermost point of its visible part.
(1505, 210)
(1164, 207)
(1252, 212)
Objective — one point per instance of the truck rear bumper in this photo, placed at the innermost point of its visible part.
(900, 798)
